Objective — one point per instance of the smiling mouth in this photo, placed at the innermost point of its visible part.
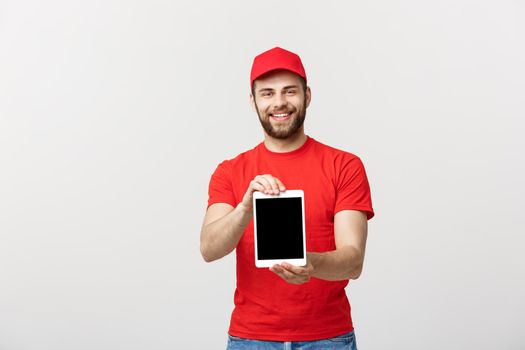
(280, 116)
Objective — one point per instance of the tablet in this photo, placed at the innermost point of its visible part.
(279, 230)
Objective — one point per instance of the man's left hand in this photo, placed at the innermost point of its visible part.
(293, 274)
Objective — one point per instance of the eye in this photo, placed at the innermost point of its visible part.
(266, 93)
(291, 92)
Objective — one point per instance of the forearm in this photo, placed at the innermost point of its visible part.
(340, 264)
(220, 237)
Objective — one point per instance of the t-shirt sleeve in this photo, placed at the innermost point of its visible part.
(353, 190)
(220, 189)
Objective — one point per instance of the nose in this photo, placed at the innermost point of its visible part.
(279, 101)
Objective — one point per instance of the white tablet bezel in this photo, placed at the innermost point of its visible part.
(284, 194)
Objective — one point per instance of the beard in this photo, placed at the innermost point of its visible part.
(283, 130)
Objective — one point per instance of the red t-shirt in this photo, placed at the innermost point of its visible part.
(267, 307)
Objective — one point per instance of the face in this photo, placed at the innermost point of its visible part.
(280, 101)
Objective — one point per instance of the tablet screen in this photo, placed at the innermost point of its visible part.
(279, 228)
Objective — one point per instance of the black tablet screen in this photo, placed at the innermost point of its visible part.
(279, 228)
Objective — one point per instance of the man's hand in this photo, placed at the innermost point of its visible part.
(294, 274)
(267, 184)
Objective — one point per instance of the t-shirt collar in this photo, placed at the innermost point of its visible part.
(287, 155)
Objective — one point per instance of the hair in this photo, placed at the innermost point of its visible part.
(303, 84)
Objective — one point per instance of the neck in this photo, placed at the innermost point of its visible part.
(285, 145)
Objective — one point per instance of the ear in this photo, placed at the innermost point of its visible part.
(308, 96)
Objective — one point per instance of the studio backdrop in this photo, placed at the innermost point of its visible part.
(114, 114)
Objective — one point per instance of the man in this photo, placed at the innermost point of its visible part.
(289, 306)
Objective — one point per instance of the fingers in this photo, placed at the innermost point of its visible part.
(280, 184)
(286, 275)
(299, 270)
(291, 274)
(265, 184)
(257, 186)
(271, 185)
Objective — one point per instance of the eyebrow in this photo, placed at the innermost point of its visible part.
(284, 88)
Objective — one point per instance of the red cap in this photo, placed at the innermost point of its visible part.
(276, 58)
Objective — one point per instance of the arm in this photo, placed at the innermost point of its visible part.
(224, 225)
(222, 229)
(345, 262)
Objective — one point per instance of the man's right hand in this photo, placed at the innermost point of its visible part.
(267, 184)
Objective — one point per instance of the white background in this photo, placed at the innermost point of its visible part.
(113, 115)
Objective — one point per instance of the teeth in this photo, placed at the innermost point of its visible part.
(280, 115)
